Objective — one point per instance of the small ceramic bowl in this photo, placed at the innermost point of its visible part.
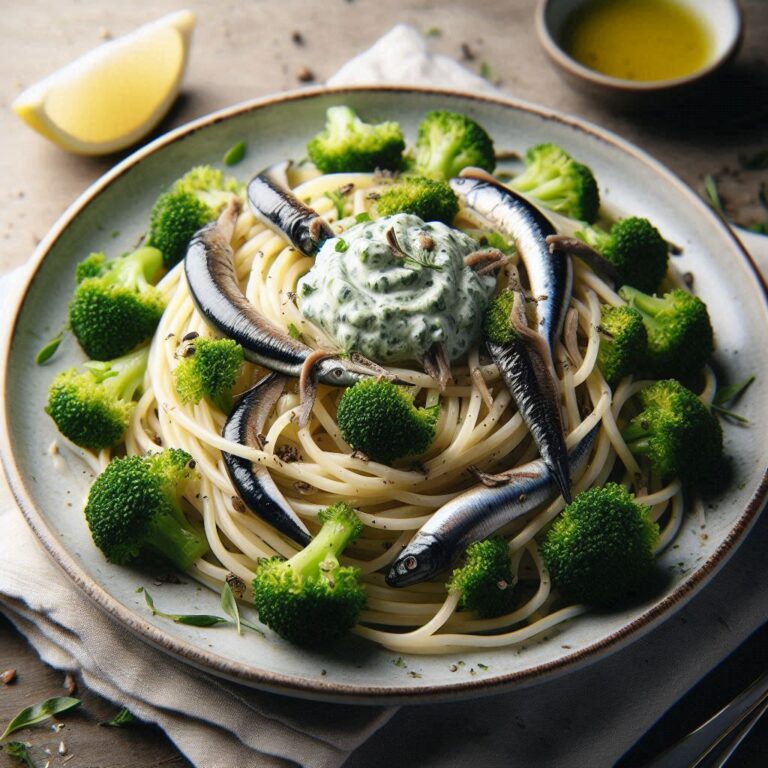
(723, 19)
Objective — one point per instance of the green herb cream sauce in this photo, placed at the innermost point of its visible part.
(391, 304)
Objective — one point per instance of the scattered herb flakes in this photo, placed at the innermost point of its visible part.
(484, 667)
(467, 54)
(323, 672)
(361, 217)
(485, 71)
(235, 154)
(297, 38)
(399, 662)
(121, 719)
(415, 675)
(433, 32)
(39, 712)
(19, 751)
(453, 668)
(341, 245)
(294, 332)
(7, 677)
(49, 350)
(114, 235)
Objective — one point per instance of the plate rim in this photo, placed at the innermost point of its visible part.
(220, 666)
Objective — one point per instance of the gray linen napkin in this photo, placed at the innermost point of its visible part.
(585, 719)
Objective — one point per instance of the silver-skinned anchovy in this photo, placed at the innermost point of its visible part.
(276, 206)
(478, 513)
(254, 485)
(550, 275)
(210, 271)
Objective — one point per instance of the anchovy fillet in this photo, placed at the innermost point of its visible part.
(210, 270)
(550, 275)
(254, 485)
(477, 513)
(277, 207)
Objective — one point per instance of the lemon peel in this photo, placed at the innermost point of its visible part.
(113, 96)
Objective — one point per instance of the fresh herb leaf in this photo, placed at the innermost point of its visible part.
(235, 154)
(729, 414)
(121, 719)
(338, 201)
(192, 619)
(732, 391)
(398, 662)
(712, 195)
(361, 217)
(756, 162)
(294, 332)
(49, 350)
(20, 752)
(39, 712)
(341, 245)
(229, 606)
(195, 619)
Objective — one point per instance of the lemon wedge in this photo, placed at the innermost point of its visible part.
(113, 96)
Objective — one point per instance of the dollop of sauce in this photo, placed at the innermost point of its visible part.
(391, 288)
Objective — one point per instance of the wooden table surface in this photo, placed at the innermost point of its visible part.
(246, 49)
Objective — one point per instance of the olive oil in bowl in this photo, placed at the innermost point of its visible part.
(640, 40)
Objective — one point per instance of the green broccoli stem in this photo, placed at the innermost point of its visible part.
(326, 547)
(122, 376)
(175, 541)
(137, 270)
(340, 120)
(594, 237)
(648, 305)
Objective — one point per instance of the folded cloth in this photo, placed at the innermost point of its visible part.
(586, 718)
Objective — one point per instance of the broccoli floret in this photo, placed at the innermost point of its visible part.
(379, 419)
(635, 247)
(600, 550)
(428, 199)
(349, 144)
(91, 266)
(93, 408)
(623, 343)
(485, 581)
(680, 338)
(195, 199)
(496, 323)
(209, 368)
(558, 182)
(311, 599)
(116, 308)
(677, 433)
(134, 508)
(449, 141)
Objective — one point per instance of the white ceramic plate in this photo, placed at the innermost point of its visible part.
(278, 128)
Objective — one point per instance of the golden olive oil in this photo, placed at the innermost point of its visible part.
(638, 39)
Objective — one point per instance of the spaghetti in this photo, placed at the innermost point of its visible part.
(314, 468)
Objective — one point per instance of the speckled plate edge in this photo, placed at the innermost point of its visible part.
(330, 691)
